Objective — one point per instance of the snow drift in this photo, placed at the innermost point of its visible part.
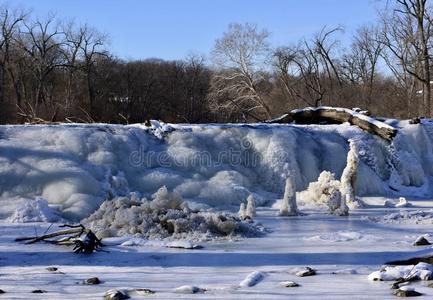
(77, 167)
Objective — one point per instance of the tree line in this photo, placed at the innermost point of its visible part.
(53, 71)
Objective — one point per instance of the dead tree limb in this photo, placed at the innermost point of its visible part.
(338, 115)
(83, 240)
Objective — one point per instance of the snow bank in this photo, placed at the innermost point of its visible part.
(77, 167)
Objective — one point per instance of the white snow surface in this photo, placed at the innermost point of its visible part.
(347, 251)
(77, 167)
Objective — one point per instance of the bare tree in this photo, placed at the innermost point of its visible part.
(9, 22)
(308, 71)
(41, 42)
(360, 64)
(91, 49)
(299, 70)
(407, 34)
(240, 60)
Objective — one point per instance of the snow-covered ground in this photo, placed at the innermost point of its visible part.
(343, 250)
(64, 172)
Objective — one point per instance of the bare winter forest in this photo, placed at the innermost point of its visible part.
(52, 71)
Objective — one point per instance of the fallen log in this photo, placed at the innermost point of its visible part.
(338, 115)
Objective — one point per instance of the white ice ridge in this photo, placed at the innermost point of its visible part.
(77, 167)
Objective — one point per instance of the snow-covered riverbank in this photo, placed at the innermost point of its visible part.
(343, 250)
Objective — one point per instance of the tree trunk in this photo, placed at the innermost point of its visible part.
(338, 115)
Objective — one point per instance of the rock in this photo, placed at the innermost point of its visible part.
(183, 245)
(407, 292)
(307, 271)
(143, 292)
(288, 284)
(2, 292)
(51, 269)
(403, 203)
(189, 289)
(430, 285)
(388, 203)
(92, 280)
(38, 291)
(421, 241)
(416, 120)
(115, 295)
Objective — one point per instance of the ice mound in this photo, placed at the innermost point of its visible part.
(167, 216)
(421, 271)
(36, 210)
(322, 191)
(78, 166)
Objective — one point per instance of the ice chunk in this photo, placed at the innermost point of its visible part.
(36, 210)
(252, 279)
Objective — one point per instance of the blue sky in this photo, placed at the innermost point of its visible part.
(171, 29)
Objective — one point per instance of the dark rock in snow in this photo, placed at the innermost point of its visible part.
(38, 291)
(406, 293)
(92, 280)
(306, 272)
(421, 241)
(52, 269)
(416, 120)
(2, 292)
(115, 295)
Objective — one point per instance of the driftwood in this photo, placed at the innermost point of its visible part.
(337, 115)
(83, 240)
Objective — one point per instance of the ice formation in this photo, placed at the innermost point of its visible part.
(166, 216)
(336, 194)
(36, 210)
(348, 177)
(242, 212)
(324, 192)
(251, 207)
(77, 167)
(289, 206)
